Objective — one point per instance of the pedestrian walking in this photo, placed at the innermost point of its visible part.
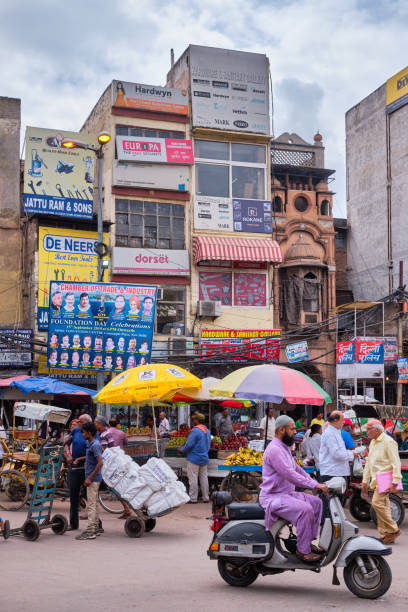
(382, 457)
(93, 477)
(196, 448)
(334, 458)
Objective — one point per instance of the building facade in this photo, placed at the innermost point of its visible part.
(377, 182)
(305, 286)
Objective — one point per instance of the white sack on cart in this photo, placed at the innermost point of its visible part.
(129, 485)
(116, 464)
(171, 496)
(157, 474)
(141, 498)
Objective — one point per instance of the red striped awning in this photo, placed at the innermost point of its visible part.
(235, 249)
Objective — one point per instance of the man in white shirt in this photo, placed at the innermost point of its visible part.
(270, 434)
(164, 431)
(334, 458)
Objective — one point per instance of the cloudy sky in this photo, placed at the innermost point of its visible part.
(325, 55)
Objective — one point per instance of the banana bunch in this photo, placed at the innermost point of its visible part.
(245, 456)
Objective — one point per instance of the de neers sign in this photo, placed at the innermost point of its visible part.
(159, 262)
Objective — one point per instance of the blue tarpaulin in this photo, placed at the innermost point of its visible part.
(45, 384)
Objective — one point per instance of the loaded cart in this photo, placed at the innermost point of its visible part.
(151, 490)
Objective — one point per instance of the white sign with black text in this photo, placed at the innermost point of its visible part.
(213, 213)
(151, 176)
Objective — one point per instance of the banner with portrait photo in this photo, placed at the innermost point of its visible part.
(100, 326)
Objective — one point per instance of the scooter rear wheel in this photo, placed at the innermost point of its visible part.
(230, 572)
(397, 510)
(371, 588)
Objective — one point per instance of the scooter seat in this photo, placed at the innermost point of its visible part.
(245, 511)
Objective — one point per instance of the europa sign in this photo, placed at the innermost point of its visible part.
(150, 150)
(159, 262)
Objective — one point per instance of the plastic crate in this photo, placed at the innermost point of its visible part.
(404, 479)
(171, 451)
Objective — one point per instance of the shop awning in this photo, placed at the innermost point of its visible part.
(235, 249)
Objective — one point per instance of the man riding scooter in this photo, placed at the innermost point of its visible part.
(281, 474)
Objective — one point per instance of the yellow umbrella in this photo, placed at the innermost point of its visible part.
(157, 381)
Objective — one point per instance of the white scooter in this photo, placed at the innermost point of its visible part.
(244, 549)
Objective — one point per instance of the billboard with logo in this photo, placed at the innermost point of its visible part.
(58, 181)
(151, 176)
(229, 89)
(252, 216)
(213, 213)
(154, 150)
(397, 91)
(100, 326)
(239, 345)
(160, 262)
(149, 97)
(64, 255)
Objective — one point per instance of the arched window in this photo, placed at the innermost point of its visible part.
(277, 204)
(310, 293)
(325, 208)
(301, 204)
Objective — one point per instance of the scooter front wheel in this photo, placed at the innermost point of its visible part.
(232, 574)
(365, 585)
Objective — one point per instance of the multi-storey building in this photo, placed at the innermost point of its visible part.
(305, 286)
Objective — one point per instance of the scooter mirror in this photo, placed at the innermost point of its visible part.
(337, 484)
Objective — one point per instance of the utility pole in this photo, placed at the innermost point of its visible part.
(403, 307)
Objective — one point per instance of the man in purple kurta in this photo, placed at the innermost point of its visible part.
(280, 475)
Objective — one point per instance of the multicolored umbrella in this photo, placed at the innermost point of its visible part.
(271, 383)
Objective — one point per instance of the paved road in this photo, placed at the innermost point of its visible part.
(165, 570)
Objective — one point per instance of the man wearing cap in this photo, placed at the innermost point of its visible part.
(280, 475)
(196, 448)
(346, 434)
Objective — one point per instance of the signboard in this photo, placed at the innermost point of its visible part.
(252, 216)
(402, 365)
(240, 345)
(213, 213)
(100, 326)
(397, 91)
(297, 352)
(64, 255)
(149, 97)
(345, 352)
(369, 352)
(360, 359)
(154, 150)
(229, 89)
(390, 345)
(12, 355)
(151, 176)
(58, 181)
(160, 262)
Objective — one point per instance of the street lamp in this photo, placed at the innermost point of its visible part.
(103, 139)
(100, 248)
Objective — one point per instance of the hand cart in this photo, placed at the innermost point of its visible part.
(42, 499)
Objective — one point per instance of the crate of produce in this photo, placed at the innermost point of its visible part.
(171, 451)
(404, 473)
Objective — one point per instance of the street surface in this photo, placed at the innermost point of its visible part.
(167, 569)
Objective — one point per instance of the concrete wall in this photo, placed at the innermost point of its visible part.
(366, 144)
(10, 233)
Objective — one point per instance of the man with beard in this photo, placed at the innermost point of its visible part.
(280, 475)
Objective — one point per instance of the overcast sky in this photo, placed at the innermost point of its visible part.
(325, 55)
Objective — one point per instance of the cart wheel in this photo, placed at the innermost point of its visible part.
(134, 527)
(31, 530)
(14, 490)
(59, 524)
(6, 530)
(150, 524)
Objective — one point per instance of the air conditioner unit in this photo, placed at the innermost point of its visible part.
(208, 309)
(181, 346)
(311, 318)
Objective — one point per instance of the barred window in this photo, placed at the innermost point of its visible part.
(125, 130)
